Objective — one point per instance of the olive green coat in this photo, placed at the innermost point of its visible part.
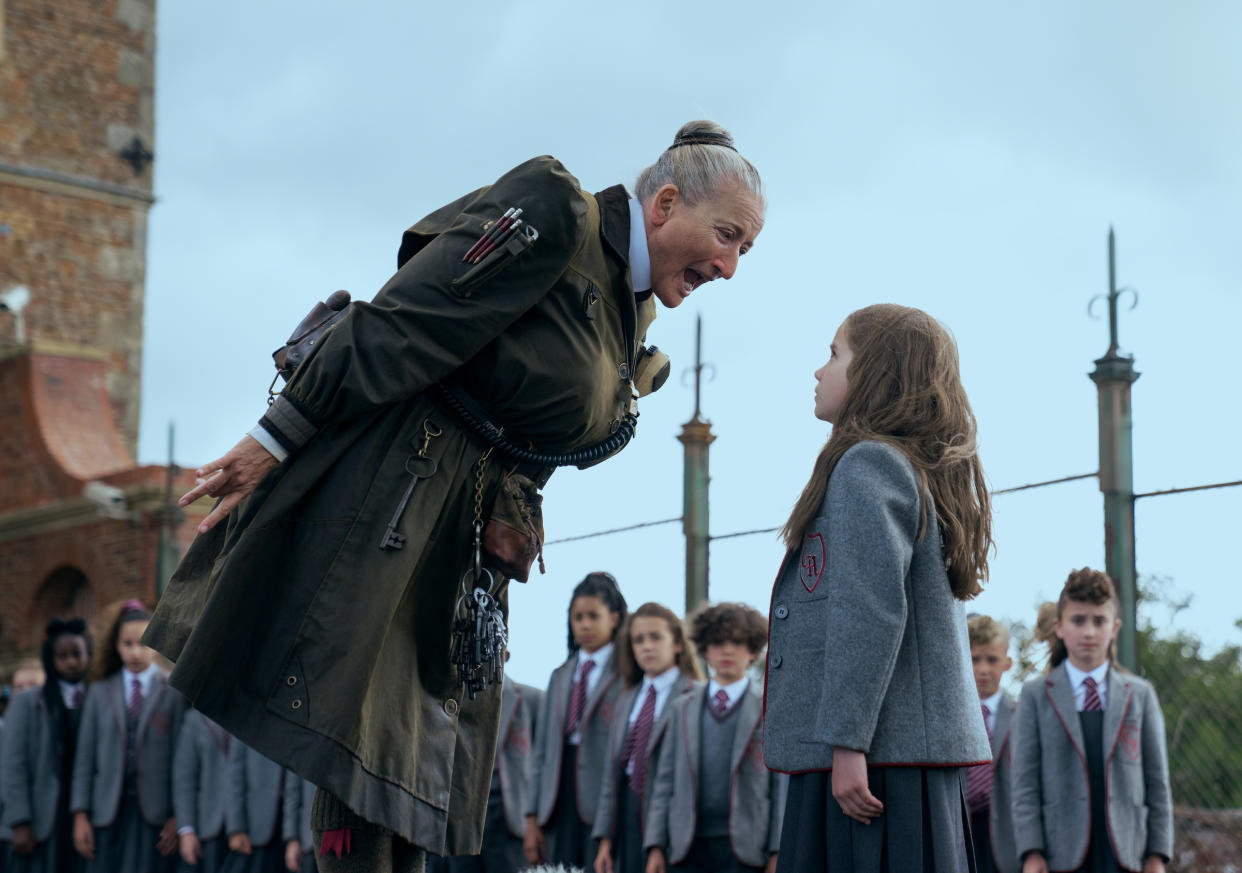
(289, 626)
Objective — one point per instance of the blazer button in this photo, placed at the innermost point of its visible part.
(777, 661)
(450, 707)
(782, 611)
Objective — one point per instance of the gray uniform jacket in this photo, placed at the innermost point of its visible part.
(99, 763)
(550, 742)
(254, 795)
(1051, 796)
(1000, 813)
(295, 825)
(519, 713)
(756, 794)
(605, 815)
(867, 647)
(200, 778)
(29, 765)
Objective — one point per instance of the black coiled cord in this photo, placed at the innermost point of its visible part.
(489, 433)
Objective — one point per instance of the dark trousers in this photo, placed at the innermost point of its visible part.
(711, 855)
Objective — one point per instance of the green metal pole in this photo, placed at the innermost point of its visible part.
(696, 435)
(1113, 376)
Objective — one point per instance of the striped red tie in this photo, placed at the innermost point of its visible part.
(577, 698)
(722, 701)
(636, 741)
(979, 777)
(135, 700)
(1091, 700)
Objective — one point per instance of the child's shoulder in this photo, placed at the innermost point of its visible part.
(1136, 683)
(872, 457)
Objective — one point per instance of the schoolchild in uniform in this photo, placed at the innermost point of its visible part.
(989, 786)
(200, 792)
(1090, 767)
(659, 666)
(571, 735)
(296, 826)
(870, 702)
(255, 813)
(41, 732)
(715, 806)
(121, 796)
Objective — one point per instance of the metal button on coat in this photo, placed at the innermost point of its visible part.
(297, 704)
(782, 611)
(776, 661)
(291, 681)
(450, 706)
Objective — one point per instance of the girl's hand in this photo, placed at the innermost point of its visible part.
(1035, 863)
(603, 858)
(533, 844)
(771, 865)
(293, 856)
(83, 836)
(849, 785)
(232, 477)
(1153, 864)
(655, 861)
(168, 838)
(240, 843)
(24, 842)
(191, 849)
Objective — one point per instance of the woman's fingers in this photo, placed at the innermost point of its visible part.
(860, 804)
(220, 512)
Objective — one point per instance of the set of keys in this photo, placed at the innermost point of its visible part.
(479, 634)
(419, 466)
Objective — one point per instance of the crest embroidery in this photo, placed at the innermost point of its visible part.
(1130, 741)
(811, 567)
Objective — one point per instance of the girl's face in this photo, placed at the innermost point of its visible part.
(592, 622)
(70, 658)
(655, 650)
(830, 381)
(134, 655)
(729, 661)
(1087, 629)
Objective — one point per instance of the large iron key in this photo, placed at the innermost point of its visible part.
(419, 467)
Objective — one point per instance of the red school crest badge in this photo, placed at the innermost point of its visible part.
(1130, 741)
(811, 565)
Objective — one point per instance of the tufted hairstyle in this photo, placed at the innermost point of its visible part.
(1084, 586)
(701, 159)
(729, 623)
(985, 630)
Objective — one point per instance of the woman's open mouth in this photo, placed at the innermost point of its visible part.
(690, 279)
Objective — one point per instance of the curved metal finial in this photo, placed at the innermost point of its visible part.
(697, 370)
(1114, 293)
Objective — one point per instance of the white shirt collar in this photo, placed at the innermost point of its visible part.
(144, 679)
(734, 690)
(661, 683)
(600, 656)
(69, 690)
(992, 703)
(1077, 677)
(640, 257)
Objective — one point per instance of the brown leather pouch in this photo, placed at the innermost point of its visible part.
(308, 333)
(513, 536)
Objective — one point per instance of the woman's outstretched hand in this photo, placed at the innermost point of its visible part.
(232, 478)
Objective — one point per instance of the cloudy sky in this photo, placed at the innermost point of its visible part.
(965, 158)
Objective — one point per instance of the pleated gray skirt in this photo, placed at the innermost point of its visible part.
(923, 827)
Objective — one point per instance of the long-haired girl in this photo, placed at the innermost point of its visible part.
(121, 797)
(571, 734)
(658, 663)
(41, 732)
(871, 700)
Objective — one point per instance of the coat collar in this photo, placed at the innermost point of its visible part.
(750, 711)
(614, 221)
(1004, 720)
(509, 695)
(1060, 693)
(1120, 690)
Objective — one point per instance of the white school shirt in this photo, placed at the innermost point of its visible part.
(1076, 677)
(734, 690)
(69, 689)
(993, 704)
(144, 681)
(640, 257)
(663, 685)
(600, 656)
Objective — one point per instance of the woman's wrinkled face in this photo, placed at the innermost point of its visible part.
(691, 245)
(134, 655)
(70, 657)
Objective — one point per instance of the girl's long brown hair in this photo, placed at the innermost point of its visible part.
(687, 661)
(904, 388)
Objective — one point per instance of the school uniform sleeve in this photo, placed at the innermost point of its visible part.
(872, 509)
(776, 811)
(291, 808)
(1028, 824)
(235, 816)
(604, 811)
(537, 757)
(655, 827)
(21, 719)
(1158, 796)
(437, 311)
(185, 779)
(84, 756)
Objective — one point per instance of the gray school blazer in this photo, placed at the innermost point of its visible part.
(295, 821)
(867, 647)
(1051, 797)
(550, 742)
(756, 794)
(200, 780)
(1000, 814)
(99, 762)
(606, 814)
(254, 795)
(29, 765)
(519, 711)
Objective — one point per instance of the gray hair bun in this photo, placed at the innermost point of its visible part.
(701, 159)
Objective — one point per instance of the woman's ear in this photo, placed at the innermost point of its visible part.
(663, 202)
